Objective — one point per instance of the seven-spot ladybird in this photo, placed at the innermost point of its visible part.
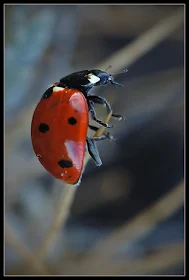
(61, 120)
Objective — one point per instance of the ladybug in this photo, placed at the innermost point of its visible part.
(61, 120)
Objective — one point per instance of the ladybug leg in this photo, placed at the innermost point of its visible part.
(102, 137)
(93, 115)
(105, 135)
(93, 151)
(95, 128)
(100, 100)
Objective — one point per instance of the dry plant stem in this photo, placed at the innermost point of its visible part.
(62, 212)
(63, 208)
(133, 51)
(27, 256)
(102, 128)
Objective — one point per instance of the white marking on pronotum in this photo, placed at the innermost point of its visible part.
(93, 79)
(57, 89)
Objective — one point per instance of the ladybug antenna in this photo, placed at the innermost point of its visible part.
(109, 67)
(112, 79)
(122, 72)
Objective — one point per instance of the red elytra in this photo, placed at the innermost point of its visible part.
(58, 132)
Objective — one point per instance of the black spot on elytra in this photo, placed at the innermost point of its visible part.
(69, 177)
(43, 127)
(48, 93)
(65, 163)
(72, 121)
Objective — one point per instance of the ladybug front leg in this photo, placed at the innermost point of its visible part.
(93, 151)
(93, 114)
(100, 100)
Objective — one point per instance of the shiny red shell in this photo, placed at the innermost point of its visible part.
(58, 133)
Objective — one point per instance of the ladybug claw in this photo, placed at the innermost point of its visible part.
(110, 137)
(118, 117)
(109, 126)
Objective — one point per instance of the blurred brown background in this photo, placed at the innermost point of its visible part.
(145, 166)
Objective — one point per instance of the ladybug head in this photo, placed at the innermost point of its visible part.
(101, 78)
(85, 80)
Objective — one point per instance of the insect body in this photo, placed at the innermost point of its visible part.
(60, 123)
